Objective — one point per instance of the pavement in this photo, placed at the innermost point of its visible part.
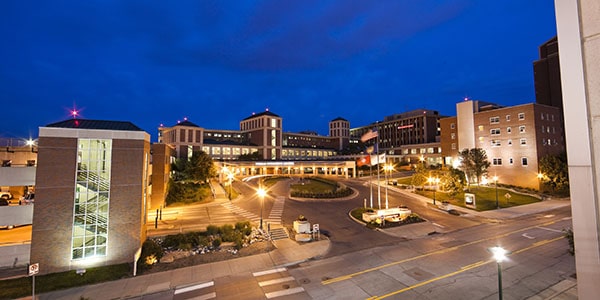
(288, 253)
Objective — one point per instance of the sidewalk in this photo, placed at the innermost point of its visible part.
(287, 253)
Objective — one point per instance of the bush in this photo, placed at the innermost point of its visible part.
(212, 230)
(152, 252)
(216, 243)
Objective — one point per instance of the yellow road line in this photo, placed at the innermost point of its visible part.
(444, 250)
(462, 269)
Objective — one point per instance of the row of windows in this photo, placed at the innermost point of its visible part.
(498, 161)
(496, 119)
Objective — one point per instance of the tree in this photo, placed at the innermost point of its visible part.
(554, 169)
(453, 181)
(474, 163)
(200, 167)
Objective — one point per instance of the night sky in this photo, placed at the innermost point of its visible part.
(217, 62)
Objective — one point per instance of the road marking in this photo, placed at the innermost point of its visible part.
(463, 269)
(284, 292)
(275, 281)
(436, 252)
(527, 236)
(550, 229)
(194, 287)
(262, 273)
(438, 225)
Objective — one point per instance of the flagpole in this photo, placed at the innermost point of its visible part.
(378, 179)
(371, 180)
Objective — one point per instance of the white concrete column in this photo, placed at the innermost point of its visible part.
(579, 52)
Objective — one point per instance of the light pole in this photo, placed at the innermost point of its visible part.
(435, 182)
(230, 176)
(261, 193)
(496, 184)
(499, 255)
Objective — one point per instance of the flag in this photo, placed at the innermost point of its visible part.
(371, 134)
(364, 161)
(372, 149)
(377, 159)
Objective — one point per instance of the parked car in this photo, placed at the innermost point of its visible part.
(6, 195)
(3, 202)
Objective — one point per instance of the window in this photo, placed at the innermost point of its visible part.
(452, 125)
(453, 136)
(523, 141)
(92, 196)
(495, 131)
(510, 161)
(453, 146)
(495, 143)
(480, 127)
(522, 129)
(507, 118)
(542, 116)
(521, 116)
(508, 129)
(524, 161)
(494, 120)
(497, 161)
(509, 142)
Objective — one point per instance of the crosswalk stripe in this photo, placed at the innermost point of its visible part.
(194, 287)
(275, 281)
(284, 292)
(267, 272)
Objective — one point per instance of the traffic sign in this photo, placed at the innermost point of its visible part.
(34, 269)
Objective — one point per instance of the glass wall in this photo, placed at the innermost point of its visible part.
(92, 195)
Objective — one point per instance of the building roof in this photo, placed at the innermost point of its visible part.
(339, 119)
(264, 113)
(96, 124)
(186, 123)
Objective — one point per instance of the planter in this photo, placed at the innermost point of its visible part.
(301, 226)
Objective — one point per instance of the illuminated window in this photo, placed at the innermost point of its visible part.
(453, 136)
(92, 197)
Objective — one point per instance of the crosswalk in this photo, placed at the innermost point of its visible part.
(274, 217)
(273, 283)
(277, 283)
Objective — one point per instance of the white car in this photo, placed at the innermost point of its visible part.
(6, 195)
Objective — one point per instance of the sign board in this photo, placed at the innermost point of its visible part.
(470, 200)
(34, 269)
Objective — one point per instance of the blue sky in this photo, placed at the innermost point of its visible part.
(217, 62)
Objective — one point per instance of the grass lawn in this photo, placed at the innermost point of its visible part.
(21, 287)
(485, 197)
(313, 186)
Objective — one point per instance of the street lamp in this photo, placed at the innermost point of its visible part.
(496, 184)
(261, 193)
(435, 182)
(499, 255)
(230, 177)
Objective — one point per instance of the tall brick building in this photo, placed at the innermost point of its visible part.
(91, 194)
(514, 138)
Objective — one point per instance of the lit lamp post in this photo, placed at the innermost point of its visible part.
(261, 193)
(540, 176)
(230, 177)
(499, 255)
(496, 184)
(435, 182)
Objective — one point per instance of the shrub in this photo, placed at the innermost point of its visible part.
(212, 230)
(152, 252)
(216, 243)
